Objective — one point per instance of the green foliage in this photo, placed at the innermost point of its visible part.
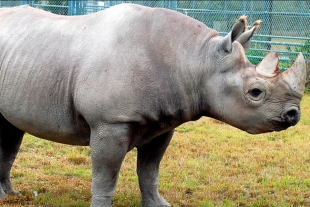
(286, 61)
(259, 56)
(303, 49)
(256, 52)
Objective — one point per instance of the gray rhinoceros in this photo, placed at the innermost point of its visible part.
(127, 76)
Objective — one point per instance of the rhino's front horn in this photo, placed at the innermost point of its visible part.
(296, 75)
(268, 67)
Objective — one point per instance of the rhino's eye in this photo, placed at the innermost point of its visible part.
(255, 92)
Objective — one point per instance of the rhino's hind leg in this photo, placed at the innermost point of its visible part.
(10, 140)
(149, 157)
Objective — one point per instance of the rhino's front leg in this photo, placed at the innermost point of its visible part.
(109, 144)
(10, 140)
(149, 157)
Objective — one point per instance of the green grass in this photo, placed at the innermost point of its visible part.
(208, 163)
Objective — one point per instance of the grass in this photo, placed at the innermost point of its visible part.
(208, 163)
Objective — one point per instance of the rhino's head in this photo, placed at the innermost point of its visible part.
(255, 99)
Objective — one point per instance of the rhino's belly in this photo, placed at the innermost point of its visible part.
(58, 129)
(42, 106)
(68, 135)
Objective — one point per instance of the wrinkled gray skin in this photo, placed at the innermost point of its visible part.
(126, 77)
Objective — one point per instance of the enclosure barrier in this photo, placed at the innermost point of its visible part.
(285, 27)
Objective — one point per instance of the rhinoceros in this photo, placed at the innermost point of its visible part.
(125, 78)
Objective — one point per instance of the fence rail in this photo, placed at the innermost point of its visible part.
(285, 27)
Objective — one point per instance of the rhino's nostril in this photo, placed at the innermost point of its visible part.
(292, 113)
(291, 116)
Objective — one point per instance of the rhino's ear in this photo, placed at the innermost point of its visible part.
(238, 28)
(268, 67)
(245, 38)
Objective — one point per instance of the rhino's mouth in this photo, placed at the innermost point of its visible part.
(279, 125)
(274, 124)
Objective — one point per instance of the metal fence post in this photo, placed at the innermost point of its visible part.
(173, 4)
(244, 7)
(267, 19)
(79, 7)
(29, 2)
(226, 15)
(208, 20)
(251, 11)
(300, 22)
(71, 7)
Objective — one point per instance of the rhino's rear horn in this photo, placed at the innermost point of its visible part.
(268, 67)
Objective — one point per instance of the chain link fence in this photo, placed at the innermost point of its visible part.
(285, 27)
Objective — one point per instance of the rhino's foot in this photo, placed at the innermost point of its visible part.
(2, 194)
(13, 192)
(101, 202)
(157, 202)
(6, 189)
